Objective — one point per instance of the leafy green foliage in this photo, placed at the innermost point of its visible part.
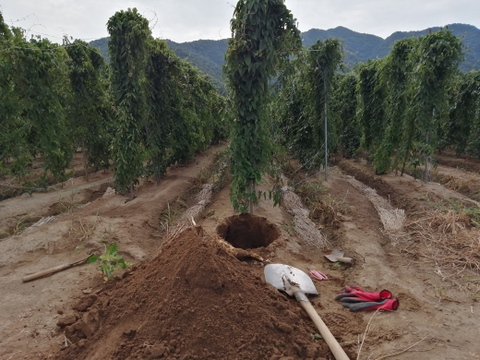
(185, 112)
(396, 79)
(436, 60)
(463, 127)
(344, 106)
(163, 94)
(301, 112)
(34, 96)
(290, 111)
(473, 142)
(89, 110)
(372, 96)
(108, 261)
(147, 110)
(322, 62)
(54, 99)
(129, 33)
(166, 110)
(263, 32)
(404, 100)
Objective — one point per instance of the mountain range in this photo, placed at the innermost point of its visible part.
(209, 55)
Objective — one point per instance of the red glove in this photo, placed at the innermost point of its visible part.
(356, 294)
(383, 305)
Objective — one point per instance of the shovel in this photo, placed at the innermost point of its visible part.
(53, 270)
(296, 283)
(337, 255)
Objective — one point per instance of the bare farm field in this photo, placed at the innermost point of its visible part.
(193, 290)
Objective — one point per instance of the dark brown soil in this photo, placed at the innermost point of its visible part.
(247, 231)
(465, 163)
(194, 300)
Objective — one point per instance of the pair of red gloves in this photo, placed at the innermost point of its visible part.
(357, 299)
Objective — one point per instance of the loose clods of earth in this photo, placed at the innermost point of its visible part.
(194, 300)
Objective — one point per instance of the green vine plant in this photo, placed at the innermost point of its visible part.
(34, 99)
(395, 78)
(324, 58)
(263, 33)
(109, 261)
(129, 35)
(436, 57)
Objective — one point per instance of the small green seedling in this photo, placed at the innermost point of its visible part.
(316, 336)
(337, 265)
(108, 261)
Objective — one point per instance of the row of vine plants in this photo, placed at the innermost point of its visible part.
(147, 109)
(142, 112)
(398, 110)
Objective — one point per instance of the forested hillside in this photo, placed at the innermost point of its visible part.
(209, 55)
(363, 47)
(469, 35)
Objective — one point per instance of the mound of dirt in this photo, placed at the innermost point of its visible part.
(194, 300)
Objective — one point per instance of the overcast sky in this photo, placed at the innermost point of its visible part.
(188, 20)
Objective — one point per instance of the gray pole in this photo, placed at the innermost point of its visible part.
(326, 127)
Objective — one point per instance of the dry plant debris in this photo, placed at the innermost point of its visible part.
(451, 241)
(202, 199)
(303, 226)
(393, 219)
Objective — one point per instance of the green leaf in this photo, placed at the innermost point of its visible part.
(92, 259)
(112, 249)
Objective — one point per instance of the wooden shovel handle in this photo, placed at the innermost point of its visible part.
(332, 343)
(345, 260)
(51, 271)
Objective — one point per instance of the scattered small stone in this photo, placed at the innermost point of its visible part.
(109, 192)
(85, 303)
(66, 320)
(284, 327)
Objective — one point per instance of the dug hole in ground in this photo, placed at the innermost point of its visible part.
(198, 292)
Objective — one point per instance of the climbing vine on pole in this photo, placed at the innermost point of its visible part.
(462, 130)
(323, 60)
(50, 101)
(436, 58)
(263, 31)
(90, 99)
(344, 104)
(372, 97)
(129, 33)
(41, 77)
(396, 76)
(470, 99)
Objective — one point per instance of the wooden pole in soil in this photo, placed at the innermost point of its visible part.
(326, 126)
(251, 189)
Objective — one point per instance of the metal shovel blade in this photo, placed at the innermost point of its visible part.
(297, 283)
(285, 276)
(337, 255)
(334, 255)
